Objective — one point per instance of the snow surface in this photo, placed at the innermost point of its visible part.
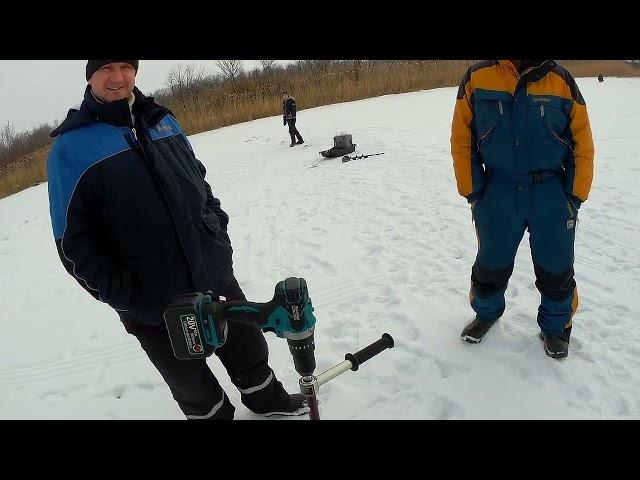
(386, 245)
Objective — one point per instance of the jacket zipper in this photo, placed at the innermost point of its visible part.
(164, 195)
(483, 136)
(559, 139)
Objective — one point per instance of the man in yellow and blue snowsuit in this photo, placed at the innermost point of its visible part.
(523, 158)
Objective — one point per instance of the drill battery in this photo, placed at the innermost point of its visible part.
(192, 326)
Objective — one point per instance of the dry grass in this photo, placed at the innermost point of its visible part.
(260, 97)
(608, 68)
(28, 171)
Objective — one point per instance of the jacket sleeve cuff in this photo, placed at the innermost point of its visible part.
(472, 197)
(575, 200)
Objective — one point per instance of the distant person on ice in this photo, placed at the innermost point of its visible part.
(289, 117)
(135, 222)
(523, 158)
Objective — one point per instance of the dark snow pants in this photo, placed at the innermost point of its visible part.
(193, 385)
(293, 131)
(511, 204)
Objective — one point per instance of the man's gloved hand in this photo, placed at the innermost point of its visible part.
(473, 198)
(284, 121)
(575, 201)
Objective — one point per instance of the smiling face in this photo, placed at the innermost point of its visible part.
(113, 81)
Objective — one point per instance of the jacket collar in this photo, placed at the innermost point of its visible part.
(116, 113)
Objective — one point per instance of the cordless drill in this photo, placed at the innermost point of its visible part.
(197, 323)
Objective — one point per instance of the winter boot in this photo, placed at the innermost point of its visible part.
(294, 405)
(475, 331)
(556, 346)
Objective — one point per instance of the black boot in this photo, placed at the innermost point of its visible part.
(292, 143)
(300, 142)
(556, 346)
(294, 405)
(475, 331)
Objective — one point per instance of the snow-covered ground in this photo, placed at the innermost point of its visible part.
(386, 245)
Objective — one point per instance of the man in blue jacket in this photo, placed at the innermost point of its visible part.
(135, 223)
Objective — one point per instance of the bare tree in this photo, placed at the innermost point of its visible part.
(321, 66)
(267, 65)
(316, 66)
(14, 145)
(185, 82)
(231, 69)
(7, 135)
(176, 84)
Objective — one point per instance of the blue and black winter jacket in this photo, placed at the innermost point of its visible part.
(133, 218)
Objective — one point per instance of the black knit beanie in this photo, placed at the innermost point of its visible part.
(93, 65)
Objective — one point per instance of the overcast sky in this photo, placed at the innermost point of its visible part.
(33, 92)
